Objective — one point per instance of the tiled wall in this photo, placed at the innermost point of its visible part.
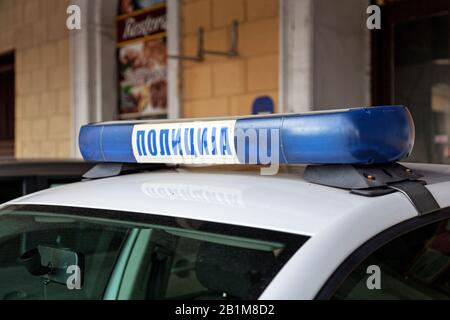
(222, 86)
(36, 30)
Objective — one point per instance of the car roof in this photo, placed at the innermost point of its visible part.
(283, 202)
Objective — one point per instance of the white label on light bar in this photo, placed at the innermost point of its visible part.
(205, 142)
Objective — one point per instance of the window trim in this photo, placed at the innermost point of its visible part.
(369, 247)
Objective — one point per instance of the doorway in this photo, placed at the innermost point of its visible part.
(411, 67)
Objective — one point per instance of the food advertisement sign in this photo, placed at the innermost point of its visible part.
(142, 55)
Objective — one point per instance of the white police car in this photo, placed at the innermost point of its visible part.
(356, 224)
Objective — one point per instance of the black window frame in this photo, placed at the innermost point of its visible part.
(369, 247)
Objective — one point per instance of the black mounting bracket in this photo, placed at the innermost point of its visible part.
(375, 180)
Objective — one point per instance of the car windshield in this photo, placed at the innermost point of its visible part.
(75, 253)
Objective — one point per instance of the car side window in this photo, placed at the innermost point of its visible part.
(123, 255)
(415, 265)
(192, 264)
(99, 245)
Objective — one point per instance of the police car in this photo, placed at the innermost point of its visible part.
(301, 206)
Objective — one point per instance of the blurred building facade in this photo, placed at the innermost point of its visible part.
(34, 33)
(302, 54)
(231, 84)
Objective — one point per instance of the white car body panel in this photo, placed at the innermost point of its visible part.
(283, 203)
(337, 221)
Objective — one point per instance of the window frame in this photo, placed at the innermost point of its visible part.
(359, 255)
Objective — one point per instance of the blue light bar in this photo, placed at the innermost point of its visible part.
(352, 136)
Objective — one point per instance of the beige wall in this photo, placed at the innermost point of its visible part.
(223, 86)
(36, 30)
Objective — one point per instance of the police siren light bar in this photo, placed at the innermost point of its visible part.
(352, 136)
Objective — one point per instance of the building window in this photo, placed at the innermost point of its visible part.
(7, 97)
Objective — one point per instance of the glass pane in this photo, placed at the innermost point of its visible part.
(413, 266)
(204, 266)
(422, 82)
(99, 243)
(138, 256)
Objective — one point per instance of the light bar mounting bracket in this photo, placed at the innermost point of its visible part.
(375, 180)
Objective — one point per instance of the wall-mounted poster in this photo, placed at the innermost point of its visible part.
(142, 55)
